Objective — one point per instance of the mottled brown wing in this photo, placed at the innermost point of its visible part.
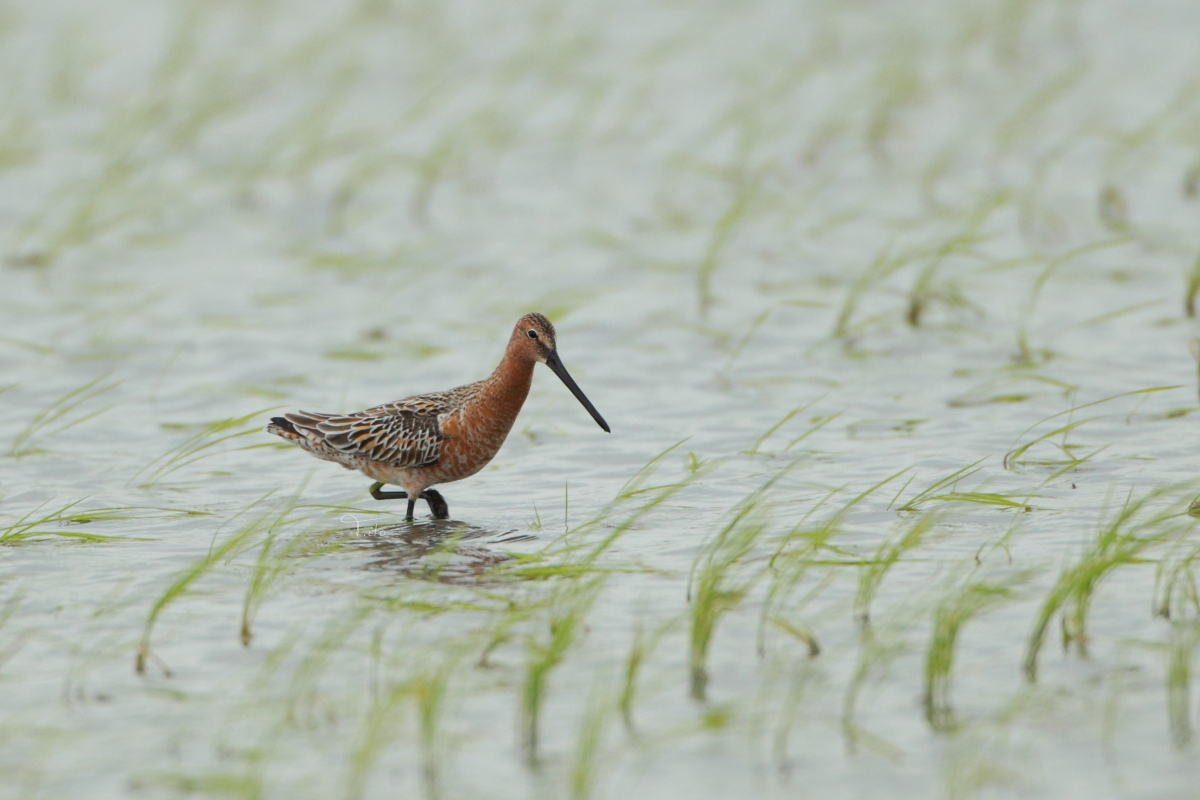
(397, 434)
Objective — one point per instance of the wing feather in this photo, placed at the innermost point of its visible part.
(398, 434)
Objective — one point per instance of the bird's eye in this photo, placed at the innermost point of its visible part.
(532, 334)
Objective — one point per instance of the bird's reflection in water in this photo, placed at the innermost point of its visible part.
(433, 550)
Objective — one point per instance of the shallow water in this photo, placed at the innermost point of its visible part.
(942, 232)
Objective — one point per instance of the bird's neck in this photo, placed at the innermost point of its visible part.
(508, 386)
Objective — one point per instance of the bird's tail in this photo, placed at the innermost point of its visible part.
(284, 428)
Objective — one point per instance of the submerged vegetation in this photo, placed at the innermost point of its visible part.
(883, 303)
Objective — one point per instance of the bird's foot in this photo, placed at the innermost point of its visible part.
(437, 504)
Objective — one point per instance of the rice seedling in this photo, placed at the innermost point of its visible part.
(205, 443)
(1109, 316)
(1025, 354)
(104, 641)
(885, 264)
(19, 144)
(589, 742)
(898, 85)
(1191, 182)
(960, 606)
(501, 630)
(60, 416)
(33, 525)
(746, 188)
(975, 769)
(796, 553)
(427, 689)
(1122, 539)
(236, 543)
(431, 691)
(876, 650)
(566, 612)
(740, 347)
(1117, 683)
(112, 199)
(817, 423)
(1016, 454)
(1194, 349)
(1005, 501)
(1181, 647)
(357, 177)
(302, 140)
(640, 650)
(872, 573)
(932, 491)
(1175, 583)
(572, 554)
(713, 588)
(302, 704)
(755, 448)
(1036, 105)
(925, 289)
(1113, 209)
(383, 717)
(247, 785)
(798, 685)
(1003, 390)
(183, 98)
(269, 567)
(27, 526)
(38, 348)
(447, 153)
(800, 631)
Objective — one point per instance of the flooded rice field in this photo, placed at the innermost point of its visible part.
(889, 306)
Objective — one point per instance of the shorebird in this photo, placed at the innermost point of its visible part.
(428, 439)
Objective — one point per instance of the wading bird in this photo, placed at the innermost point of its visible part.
(435, 438)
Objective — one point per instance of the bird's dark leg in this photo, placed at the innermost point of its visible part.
(437, 504)
(378, 495)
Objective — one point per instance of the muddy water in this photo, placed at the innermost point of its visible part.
(210, 212)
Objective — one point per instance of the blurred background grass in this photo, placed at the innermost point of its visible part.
(914, 281)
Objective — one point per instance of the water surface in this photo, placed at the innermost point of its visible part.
(886, 307)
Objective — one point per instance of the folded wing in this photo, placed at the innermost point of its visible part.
(398, 434)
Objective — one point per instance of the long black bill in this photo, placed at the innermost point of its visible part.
(555, 363)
